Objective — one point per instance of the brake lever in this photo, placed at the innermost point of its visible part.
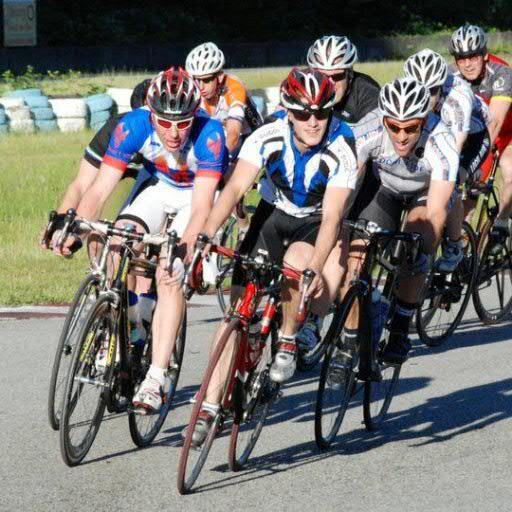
(47, 235)
(307, 278)
(68, 221)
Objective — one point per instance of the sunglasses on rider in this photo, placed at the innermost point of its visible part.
(409, 130)
(472, 57)
(302, 115)
(182, 124)
(338, 77)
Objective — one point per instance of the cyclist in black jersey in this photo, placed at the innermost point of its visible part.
(357, 93)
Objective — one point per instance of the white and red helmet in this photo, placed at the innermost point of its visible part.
(205, 59)
(331, 53)
(404, 99)
(173, 94)
(428, 67)
(307, 89)
(468, 40)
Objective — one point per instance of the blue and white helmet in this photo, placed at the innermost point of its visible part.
(404, 99)
(428, 67)
(331, 53)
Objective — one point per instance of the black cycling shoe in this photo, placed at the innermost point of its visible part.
(498, 236)
(396, 349)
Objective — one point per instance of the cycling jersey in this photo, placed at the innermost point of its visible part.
(203, 154)
(460, 109)
(97, 148)
(234, 102)
(361, 97)
(434, 157)
(295, 182)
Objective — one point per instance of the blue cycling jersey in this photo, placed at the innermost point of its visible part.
(203, 154)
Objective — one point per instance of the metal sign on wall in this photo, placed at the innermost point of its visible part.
(20, 23)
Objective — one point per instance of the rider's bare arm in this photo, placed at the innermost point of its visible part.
(92, 202)
(86, 175)
(233, 129)
(241, 181)
(498, 109)
(438, 199)
(202, 202)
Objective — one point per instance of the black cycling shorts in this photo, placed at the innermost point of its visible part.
(376, 204)
(475, 151)
(273, 230)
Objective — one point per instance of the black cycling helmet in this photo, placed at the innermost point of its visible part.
(138, 97)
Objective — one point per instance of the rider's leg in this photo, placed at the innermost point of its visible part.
(506, 189)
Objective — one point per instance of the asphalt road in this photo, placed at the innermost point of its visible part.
(446, 444)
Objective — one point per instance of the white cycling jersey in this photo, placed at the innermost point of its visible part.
(434, 157)
(460, 109)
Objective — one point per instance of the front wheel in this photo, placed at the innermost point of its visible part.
(82, 302)
(88, 381)
(447, 295)
(218, 382)
(337, 383)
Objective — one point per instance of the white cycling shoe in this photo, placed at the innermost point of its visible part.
(148, 396)
(284, 364)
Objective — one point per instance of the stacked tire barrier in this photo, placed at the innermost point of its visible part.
(4, 128)
(17, 114)
(99, 108)
(121, 98)
(71, 113)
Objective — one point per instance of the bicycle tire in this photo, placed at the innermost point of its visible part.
(185, 480)
(434, 333)
(250, 418)
(378, 395)
(144, 428)
(64, 350)
(84, 362)
(490, 269)
(332, 404)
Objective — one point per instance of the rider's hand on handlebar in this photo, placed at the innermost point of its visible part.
(71, 244)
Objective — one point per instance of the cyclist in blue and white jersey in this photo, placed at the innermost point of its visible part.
(184, 153)
(467, 117)
(416, 161)
(310, 163)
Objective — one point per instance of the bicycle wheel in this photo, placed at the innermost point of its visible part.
(231, 237)
(252, 402)
(332, 399)
(492, 293)
(447, 295)
(144, 428)
(88, 380)
(193, 457)
(378, 394)
(81, 305)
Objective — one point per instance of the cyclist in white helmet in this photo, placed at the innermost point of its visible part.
(491, 79)
(415, 160)
(223, 96)
(467, 117)
(356, 93)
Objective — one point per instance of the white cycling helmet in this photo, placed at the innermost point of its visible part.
(205, 59)
(404, 99)
(428, 67)
(468, 40)
(332, 52)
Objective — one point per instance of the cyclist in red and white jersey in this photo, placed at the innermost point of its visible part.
(490, 78)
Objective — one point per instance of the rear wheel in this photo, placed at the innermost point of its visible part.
(447, 295)
(88, 381)
(145, 427)
(82, 302)
(334, 394)
(222, 362)
(492, 293)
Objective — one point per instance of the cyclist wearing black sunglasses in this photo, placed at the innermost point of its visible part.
(467, 117)
(356, 93)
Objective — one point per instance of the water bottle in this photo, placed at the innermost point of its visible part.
(380, 311)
